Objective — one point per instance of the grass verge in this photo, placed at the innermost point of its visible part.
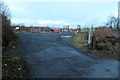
(13, 66)
(108, 51)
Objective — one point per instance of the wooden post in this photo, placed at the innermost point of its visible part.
(93, 39)
(89, 36)
(93, 42)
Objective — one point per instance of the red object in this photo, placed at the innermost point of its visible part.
(57, 30)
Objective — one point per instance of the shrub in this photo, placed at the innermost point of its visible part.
(102, 46)
(8, 35)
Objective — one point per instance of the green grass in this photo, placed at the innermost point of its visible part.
(79, 41)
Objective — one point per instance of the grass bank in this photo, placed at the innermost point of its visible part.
(13, 66)
(108, 51)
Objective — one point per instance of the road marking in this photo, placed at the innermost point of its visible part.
(66, 36)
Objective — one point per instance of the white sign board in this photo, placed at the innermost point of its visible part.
(17, 28)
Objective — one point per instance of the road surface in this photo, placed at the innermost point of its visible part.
(51, 56)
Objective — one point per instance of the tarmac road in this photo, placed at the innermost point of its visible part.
(51, 56)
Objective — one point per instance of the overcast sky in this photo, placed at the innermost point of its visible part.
(57, 14)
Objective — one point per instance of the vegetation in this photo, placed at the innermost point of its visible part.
(106, 43)
(8, 36)
(13, 66)
(79, 41)
(12, 63)
(113, 22)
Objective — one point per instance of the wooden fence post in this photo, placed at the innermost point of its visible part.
(93, 42)
(89, 36)
(93, 39)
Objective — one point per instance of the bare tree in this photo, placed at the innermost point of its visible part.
(112, 22)
(7, 32)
